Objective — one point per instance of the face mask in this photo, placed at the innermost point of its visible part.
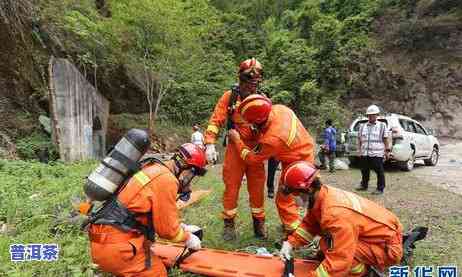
(185, 180)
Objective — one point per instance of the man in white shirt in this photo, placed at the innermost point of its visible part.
(374, 145)
(197, 138)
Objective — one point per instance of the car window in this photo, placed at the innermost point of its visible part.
(404, 124)
(410, 126)
(420, 129)
(359, 122)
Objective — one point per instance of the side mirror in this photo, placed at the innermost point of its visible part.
(430, 131)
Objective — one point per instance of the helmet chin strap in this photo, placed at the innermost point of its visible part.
(311, 200)
(179, 165)
(311, 197)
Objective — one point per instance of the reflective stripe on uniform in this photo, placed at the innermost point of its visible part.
(232, 212)
(257, 210)
(142, 178)
(244, 153)
(358, 269)
(356, 205)
(213, 129)
(294, 225)
(321, 272)
(304, 234)
(293, 129)
(179, 237)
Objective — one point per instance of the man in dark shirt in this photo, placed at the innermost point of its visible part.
(329, 146)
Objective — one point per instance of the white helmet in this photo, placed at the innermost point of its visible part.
(372, 109)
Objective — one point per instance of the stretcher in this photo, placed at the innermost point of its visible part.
(212, 262)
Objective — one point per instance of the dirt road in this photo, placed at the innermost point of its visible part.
(448, 172)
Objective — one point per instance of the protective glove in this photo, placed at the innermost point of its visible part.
(286, 251)
(190, 228)
(193, 242)
(210, 152)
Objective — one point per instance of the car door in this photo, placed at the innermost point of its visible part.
(410, 132)
(419, 140)
(427, 146)
(406, 133)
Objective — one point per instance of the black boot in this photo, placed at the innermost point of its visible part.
(229, 230)
(259, 228)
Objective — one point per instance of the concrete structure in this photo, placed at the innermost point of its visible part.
(79, 114)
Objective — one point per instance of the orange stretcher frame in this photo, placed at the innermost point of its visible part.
(212, 262)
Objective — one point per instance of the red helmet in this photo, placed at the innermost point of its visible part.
(193, 156)
(250, 71)
(299, 175)
(255, 108)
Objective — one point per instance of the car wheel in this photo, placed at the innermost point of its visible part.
(409, 164)
(434, 157)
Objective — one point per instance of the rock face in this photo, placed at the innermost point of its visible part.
(419, 75)
(20, 78)
(435, 97)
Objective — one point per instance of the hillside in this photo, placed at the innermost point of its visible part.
(416, 68)
(322, 58)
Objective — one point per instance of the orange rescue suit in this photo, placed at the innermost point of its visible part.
(153, 189)
(283, 137)
(233, 166)
(355, 232)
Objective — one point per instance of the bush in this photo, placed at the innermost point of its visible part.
(36, 145)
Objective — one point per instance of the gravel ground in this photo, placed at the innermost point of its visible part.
(447, 173)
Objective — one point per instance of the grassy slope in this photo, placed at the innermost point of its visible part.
(415, 202)
(35, 199)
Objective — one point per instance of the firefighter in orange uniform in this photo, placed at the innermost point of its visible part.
(250, 75)
(355, 232)
(281, 135)
(120, 233)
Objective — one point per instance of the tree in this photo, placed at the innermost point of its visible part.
(157, 45)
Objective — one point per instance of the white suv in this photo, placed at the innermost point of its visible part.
(411, 141)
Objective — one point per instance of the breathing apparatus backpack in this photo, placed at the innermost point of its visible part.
(232, 105)
(110, 177)
(120, 164)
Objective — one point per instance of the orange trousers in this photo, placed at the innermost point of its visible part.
(381, 254)
(123, 255)
(287, 206)
(234, 169)
(378, 254)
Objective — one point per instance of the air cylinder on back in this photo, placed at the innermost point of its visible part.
(117, 166)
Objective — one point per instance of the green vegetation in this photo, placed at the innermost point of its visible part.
(36, 205)
(183, 54)
(29, 147)
(163, 128)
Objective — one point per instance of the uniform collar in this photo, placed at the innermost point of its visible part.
(320, 198)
